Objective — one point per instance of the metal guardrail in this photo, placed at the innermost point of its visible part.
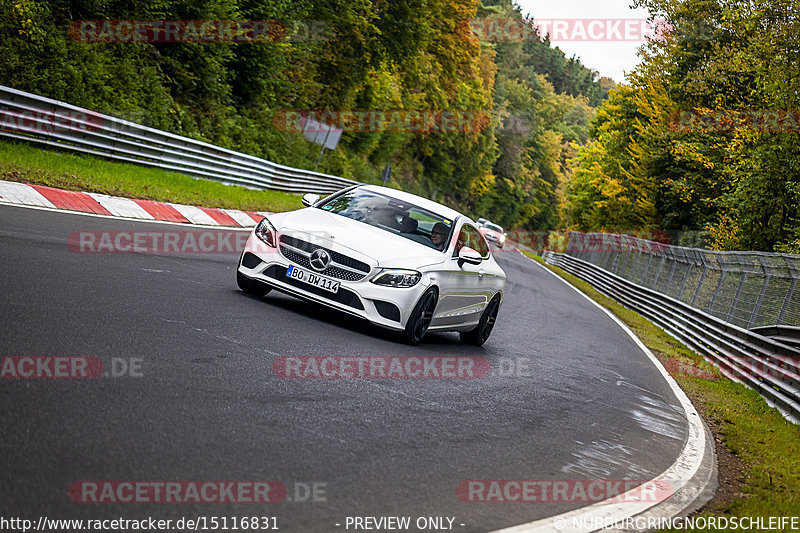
(770, 367)
(789, 335)
(28, 117)
(748, 289)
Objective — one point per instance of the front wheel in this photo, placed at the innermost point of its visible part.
(481, 333)
(421, 317)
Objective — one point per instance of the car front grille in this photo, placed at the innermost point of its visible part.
(342, 266)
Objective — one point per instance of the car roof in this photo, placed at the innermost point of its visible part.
(424, 203)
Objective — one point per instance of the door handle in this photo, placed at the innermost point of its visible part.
(481, 272)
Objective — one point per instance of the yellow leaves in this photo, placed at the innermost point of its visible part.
(26, 12)
(482, 185)
(725, 234)
(691, 153)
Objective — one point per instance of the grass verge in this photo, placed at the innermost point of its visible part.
(28, 164)
(757, 449)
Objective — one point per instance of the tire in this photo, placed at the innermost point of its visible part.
(421, 316)
(251, 286)
(481, 333)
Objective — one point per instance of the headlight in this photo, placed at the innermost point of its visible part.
(266, 232)
(395, 277)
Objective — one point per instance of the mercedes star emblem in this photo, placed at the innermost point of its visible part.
(320, 259)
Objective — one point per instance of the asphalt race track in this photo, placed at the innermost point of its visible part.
(576, 400)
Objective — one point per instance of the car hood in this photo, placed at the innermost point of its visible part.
(335, 231)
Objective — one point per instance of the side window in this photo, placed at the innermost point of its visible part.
(480, 243)
(472, 238)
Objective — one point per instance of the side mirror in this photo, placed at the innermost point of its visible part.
(310, 199)
(468, 255)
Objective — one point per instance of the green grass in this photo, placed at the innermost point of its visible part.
(766, 443)
(29, 164)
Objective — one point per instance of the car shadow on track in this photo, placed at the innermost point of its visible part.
(314, 311)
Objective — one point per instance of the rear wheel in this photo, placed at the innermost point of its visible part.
(421, 317)
(481, 333)
(251, 286)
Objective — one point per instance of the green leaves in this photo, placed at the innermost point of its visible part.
(738, 183)
(528, 102)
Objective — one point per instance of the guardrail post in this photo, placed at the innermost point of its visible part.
(636, 262)
(647, 266)
(671, 275)
(625, 261)
(658, 272)
(716, 291)
(786, 300)
(735, 300)
(617, 253)
(760, 300)
(699, 283)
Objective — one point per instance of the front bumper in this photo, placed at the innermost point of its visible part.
(499, 241)
(388, 307)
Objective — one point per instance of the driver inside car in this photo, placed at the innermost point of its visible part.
(439, 234)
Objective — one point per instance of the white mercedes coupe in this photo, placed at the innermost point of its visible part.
(396, 259)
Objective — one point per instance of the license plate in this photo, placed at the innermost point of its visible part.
(312, 279)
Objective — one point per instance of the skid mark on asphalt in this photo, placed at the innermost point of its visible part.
(317, 433)
(659, 417)
(216, 336)
(600, 459)
(653, 413)
(441, 407)
(232, 340)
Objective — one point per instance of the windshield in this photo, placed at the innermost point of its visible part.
(493, 227)
(392, 215)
